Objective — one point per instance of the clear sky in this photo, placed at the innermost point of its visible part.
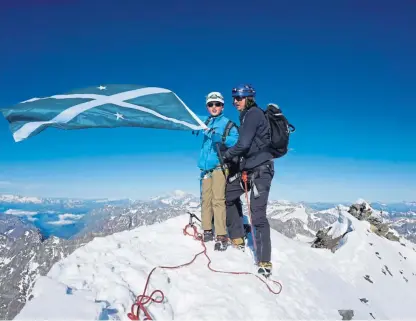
(343, 72)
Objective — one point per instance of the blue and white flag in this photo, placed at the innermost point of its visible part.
(102, 107)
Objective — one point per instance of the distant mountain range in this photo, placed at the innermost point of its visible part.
(37, 203)
(26, 252)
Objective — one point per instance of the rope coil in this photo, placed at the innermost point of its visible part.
(143, 299)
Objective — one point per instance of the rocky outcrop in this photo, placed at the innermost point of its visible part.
(326, 241)
(361, 211)
(333, 236)
(364, 212)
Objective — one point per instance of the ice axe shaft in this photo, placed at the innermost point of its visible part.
(223, 168)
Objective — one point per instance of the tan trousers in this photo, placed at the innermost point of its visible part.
(213, 203)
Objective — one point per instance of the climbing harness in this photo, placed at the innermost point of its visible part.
(143, 299)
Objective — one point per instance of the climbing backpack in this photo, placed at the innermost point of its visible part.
(280, 130)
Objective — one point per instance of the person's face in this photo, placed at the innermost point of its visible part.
(239, 103)
(215, 108)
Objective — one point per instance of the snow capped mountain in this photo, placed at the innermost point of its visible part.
(399, 209)
(178, 198)
(110, 219)
(24, 255)
(297, 221)
(22, 261)
(405, 227)
(367, 277)
(41, 203)
(7, 198)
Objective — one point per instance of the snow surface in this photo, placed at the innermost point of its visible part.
(101, 279)
(340, 227)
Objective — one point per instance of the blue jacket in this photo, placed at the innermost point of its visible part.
(208, 157)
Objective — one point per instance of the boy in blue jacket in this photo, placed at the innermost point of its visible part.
(223, 132)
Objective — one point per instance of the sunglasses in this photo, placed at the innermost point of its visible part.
(238, 98)
(211, 104)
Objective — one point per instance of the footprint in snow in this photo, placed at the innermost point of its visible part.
(367, 277)
(387, 269)
(403, 256)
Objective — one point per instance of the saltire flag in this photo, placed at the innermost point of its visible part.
(102, 107)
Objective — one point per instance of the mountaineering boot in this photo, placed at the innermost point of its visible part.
(208, 236)
(221, 243)
(238, 243)
(265, 269)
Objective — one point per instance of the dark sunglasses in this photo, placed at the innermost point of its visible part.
(238, 98)
(211, 104)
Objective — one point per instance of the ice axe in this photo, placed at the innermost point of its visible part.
(223, 167)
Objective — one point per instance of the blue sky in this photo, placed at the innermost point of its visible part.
(342, 72)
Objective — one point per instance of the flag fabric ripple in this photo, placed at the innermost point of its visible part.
(102, 107)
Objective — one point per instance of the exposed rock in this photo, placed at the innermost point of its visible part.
(346, 314)
(390, 236)
(360, 211)
(368, 278)
(333, 236)
(364, 212)
(324, 240)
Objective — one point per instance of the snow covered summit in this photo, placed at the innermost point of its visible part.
(367, 277)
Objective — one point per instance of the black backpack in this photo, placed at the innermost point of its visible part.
(280, 130)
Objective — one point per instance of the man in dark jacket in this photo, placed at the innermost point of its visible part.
(256, 161)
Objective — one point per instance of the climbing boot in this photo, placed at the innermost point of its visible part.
(265, 269)
(221, 243)
(208, 236)
(238, 243)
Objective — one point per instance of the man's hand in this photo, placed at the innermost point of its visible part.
(216, 138)
(226, 155)
(211, 134)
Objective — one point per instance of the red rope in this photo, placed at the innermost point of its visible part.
(144, 299)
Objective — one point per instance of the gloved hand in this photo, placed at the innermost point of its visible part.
(216, 138)
(226, 156)
(211, 134)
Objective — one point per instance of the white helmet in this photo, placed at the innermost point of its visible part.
(215, 96)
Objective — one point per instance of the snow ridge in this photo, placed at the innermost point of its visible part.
(103, 278)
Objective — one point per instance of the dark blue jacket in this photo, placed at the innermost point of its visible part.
(254, 136)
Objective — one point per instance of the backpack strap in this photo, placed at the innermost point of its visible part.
(230, 124)
(208, 119)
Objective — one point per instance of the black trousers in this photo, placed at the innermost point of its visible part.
(260, 178)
